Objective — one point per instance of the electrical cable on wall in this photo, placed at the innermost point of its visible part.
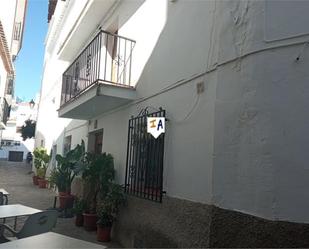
(301, 51)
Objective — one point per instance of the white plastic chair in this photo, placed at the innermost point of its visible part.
(37, 223)
(1, 199)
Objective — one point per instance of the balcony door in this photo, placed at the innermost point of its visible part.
(112, 46)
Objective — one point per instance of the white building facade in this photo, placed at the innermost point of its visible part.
(12, 21)
(13, 147)
(231, 79)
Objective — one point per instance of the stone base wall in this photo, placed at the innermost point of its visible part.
(181, 223)
(172, 223)
(235, 229)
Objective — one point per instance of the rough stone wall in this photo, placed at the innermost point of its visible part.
(239, 230)
(172, 223)
(181, 223)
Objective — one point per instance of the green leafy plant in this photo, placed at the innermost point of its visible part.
(69, 166)
(59, 180)
(41, 159)
(79, 206)
(97, 175)
(28, 129)
(110, 204)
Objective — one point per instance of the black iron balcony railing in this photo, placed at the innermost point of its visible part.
(5, 111)
(106, 59)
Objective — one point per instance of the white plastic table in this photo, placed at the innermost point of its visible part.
(49, 240)
(9, 211)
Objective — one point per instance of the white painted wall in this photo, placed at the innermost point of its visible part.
(11, 11)
(20, 112)
(188, 155)
(25, 147)
(260, 163)
(7, 17)
(3, 77)
(241, 144)
(19, 17)
(50, 128)
(144, 26)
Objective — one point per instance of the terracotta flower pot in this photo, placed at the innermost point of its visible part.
(42, 183)
(90, 222)
(35, 180)
(79, 220)
(103, 233)
(66, 201)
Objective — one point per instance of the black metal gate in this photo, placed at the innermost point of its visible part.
(144, 167)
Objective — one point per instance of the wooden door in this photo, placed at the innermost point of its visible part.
(98, 143)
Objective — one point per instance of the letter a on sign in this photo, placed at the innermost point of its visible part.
(155, 126)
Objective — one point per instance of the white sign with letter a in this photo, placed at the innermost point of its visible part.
(155, 126)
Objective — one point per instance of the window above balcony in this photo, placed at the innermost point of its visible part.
(99, 79)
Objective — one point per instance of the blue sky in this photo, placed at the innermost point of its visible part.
(29, 64)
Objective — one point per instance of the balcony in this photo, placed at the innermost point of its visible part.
(99, 79)
(5, 113)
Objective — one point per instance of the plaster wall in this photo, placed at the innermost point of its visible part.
(3, 77)
(50, 128)
(189, 140)
(240, 144)
(7, 17)
(7, 14)
(144, 26)
(260, 115)
(188, 154)
(258, 141)
(19, 17)
(65, 15)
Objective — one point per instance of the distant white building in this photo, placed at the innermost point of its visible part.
(13, 148)
(12, 22)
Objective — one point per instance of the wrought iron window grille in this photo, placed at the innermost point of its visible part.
(145, 154)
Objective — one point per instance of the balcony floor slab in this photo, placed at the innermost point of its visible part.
(100, 98)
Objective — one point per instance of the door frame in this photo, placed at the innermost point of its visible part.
(91, 140)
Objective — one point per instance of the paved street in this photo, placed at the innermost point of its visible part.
(16, 178)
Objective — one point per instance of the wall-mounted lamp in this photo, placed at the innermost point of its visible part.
(31, 103)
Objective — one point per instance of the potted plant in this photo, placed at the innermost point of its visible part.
(108, 210)
(37, 164)
(41, 159)
(69, 166)
(98, 173)
(78, 209)
(57, 179)
(42, 182)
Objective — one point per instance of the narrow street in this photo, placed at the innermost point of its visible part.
(16, 178)
(158, 124)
